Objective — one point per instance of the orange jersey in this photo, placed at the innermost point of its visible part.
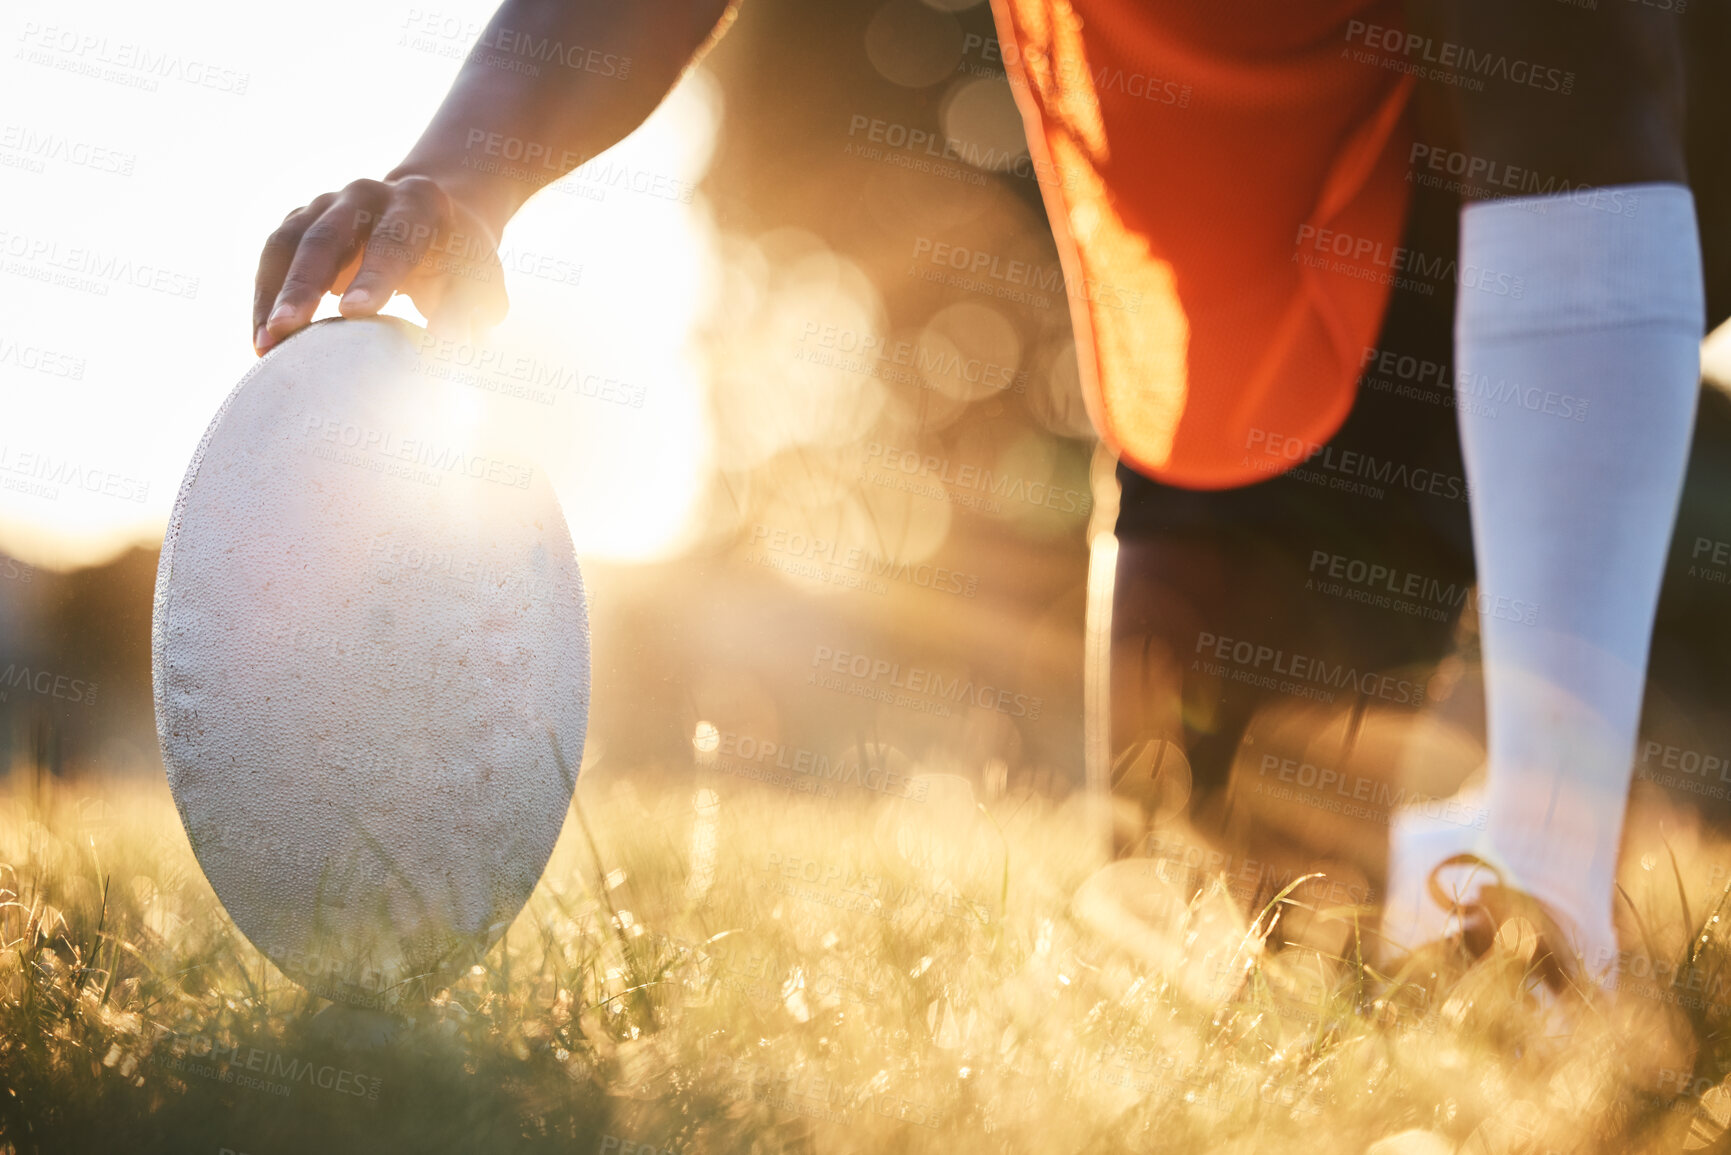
(1225, 183)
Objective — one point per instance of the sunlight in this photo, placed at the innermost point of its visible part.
(610, 272)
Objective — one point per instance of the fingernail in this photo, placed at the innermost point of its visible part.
(281, 313)
(356, 299)
(261, 339)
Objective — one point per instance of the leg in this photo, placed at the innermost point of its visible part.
(1577, 337)
(1244, 564)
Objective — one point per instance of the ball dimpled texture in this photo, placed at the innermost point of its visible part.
(370, 656)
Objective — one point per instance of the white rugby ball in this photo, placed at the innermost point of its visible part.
(370, 655)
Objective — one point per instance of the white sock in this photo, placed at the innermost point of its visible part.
(1577, 401)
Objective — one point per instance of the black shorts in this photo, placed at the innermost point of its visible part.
(1340, 580)
(1346, 579)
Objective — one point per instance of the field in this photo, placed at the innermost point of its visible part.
(754, 970)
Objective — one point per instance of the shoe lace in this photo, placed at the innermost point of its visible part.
(1495, 903)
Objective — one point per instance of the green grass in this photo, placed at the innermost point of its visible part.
(768, 972)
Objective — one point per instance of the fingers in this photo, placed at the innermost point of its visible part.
(374, 239)
(461, 288)
(323, 248)
(465, 308)
(273, 264)
(414, 217)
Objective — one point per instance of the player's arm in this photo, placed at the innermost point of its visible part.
(549, 85)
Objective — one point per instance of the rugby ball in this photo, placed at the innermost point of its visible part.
(370, 659)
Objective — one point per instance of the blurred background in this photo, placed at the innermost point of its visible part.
(797, 356)
(830, 497)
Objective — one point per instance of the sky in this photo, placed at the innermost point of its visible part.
(146, 152)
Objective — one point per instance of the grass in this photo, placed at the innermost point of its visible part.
(740, 969)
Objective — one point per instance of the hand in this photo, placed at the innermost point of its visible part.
(404, 234)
